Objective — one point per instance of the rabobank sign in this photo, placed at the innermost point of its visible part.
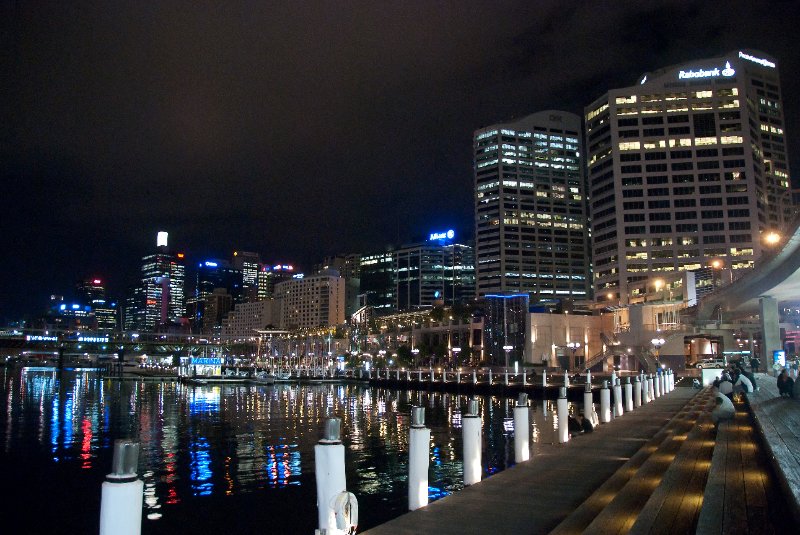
(708, 73)
(447, 235)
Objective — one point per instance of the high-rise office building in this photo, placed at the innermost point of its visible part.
(531, 232)
(248, 263)
(92, 293)
(311, 302)
(162, 286)
(269, 276)
(438, 271)
(349, 267)
(686, 167)
(377, 282)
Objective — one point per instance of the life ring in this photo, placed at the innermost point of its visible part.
(345, 508)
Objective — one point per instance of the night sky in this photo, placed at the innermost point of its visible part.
(301, 129)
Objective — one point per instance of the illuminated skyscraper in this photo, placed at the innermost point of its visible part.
(531, 231)
(248, 263)
(686, 166)
(162, 286)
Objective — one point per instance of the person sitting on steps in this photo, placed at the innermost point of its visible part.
(723, 410)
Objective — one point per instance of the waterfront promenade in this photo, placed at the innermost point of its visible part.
(645, 472)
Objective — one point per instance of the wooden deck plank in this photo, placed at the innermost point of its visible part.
(556, 480)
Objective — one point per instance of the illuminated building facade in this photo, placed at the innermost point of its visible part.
(249, 264)
(505, 318)
(92, 293)
(269, 276)
(247, 318)
(377, 281)
(163, 279)
(531, 232)
(687, 166)
(311, 302)
(436, 272)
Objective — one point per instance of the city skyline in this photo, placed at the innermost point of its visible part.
(350, 133)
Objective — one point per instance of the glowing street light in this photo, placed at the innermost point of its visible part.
(772, 238)
(415, 352)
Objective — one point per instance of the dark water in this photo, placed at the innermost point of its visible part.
(233, 457)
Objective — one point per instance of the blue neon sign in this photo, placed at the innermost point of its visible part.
(447, 235)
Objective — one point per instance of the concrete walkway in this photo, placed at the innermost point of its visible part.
(535, 496)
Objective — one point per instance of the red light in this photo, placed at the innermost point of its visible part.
(96, 281)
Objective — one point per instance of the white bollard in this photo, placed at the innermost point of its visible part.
(544, 377)
(330, 474)
(657, 385)
(490, 377)
(474, 377)
(398, 374)
(628, 395)
(671, 380)
(605, 403)
(524, 378)
(122, 493)
(637, 392)
(419, 446)
(562, 412)
(432, 378)
(545, 412)
(522, 429)
(471, 426)
(617, 399)
(505, 380)
(588, 403)
(613, 381)
(566, 379)
(458, 377)
(650, 394)
(588, 377)
(408, 376)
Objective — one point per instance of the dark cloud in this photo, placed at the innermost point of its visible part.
(297, 129)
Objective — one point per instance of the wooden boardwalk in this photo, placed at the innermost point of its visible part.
(777, 421)
(661, 469)
(536, 496)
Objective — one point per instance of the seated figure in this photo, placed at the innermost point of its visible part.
(723, 409)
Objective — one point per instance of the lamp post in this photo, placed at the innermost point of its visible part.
(415, 352)
(657, 344)
(573, 346)
(507, 349)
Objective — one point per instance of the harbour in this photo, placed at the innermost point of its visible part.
(221, 454)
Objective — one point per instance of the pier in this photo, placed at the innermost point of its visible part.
(658, 469)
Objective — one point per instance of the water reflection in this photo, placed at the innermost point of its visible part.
(233, 440)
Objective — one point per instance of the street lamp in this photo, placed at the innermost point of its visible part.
(507, 349)
(573, 346)
(657, 343)
(415, 352)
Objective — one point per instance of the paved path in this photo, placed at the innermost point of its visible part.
(535, 496)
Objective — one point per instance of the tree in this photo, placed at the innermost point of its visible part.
(404, 356)
(437, 314)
